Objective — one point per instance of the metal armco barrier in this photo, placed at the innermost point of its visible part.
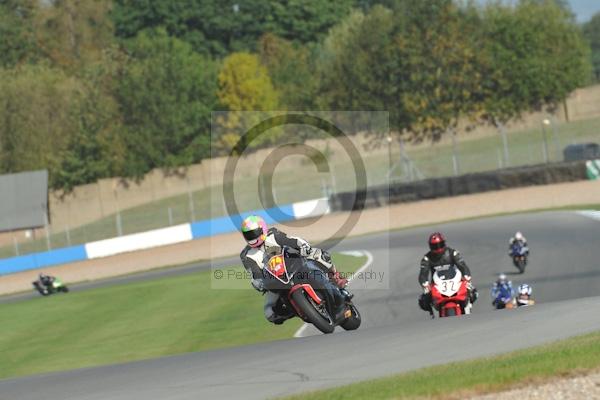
(544, 174)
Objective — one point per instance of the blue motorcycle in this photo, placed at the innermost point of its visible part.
(519, 254)
(502, 297)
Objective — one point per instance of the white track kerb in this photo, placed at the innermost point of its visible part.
(367, 264)
(590, 214)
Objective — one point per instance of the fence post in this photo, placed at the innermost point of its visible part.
(118, 221)
(556, 138)
(46, 223)
(504, 144)
(191, 201)
(16, 243)
(68, 233)
(333, 183)
(545, 141)
(119, 224)
(454, 155)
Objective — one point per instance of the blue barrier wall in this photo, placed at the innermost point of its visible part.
(44, 259)
(221, 225)
(199, 229)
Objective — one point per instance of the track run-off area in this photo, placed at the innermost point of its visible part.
(396, 336)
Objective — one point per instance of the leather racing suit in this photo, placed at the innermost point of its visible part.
(431, 262)
(255, 258)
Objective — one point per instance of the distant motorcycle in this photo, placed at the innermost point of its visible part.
(304, 294)
(502, 297)
(518, 252)
(523, 297)
(48, 289)
(449, 293)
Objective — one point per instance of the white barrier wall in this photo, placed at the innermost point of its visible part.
(139, 241)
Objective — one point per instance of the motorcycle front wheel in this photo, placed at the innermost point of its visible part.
(353, 322)
(451, 312)
(313, 316)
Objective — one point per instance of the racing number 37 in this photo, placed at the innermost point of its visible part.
(445, 285)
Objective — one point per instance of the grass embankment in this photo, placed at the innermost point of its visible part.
(487, 375)
(474, 155)
(135, 321)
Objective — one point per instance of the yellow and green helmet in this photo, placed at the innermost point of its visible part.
(254, 229)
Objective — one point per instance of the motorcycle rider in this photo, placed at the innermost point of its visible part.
(46, 280)
(441, 256)
(502, 284)
(261, 242)
(521, 240)
(524, 295)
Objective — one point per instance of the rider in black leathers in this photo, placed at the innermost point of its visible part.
(441, 256)
(46, 280)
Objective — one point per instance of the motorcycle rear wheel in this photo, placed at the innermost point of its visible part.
(311, 313)
(519, 264)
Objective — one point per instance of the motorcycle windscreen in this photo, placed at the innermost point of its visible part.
(276, 267)
(448, 282)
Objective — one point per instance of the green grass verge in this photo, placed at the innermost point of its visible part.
(474, 155)
(457, 380)
(135, 321)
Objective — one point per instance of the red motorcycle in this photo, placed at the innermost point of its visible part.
(449, 293)
(307, 293)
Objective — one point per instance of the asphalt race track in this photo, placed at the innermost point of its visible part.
(396, 336)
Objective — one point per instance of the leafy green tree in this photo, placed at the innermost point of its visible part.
(17, 42)
(165, 93)
(36, 122)
(305, 21)
(218, 27)
(591, 30)
(291, 68)
(417, 62)
(97, 149)
(360, 67)
(533, 57)
(73, 33)
(439, 44)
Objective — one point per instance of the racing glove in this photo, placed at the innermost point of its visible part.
(305, 249)
(469, 282)
(322, 257)
(426, 288)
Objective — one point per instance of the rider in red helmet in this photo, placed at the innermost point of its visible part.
(440, 256)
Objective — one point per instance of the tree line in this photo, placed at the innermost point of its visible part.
(102, 88)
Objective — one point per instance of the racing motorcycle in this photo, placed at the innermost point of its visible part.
(502, 297)
(55, 287)
(306, 292)
(449, 292)
(518, 252)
